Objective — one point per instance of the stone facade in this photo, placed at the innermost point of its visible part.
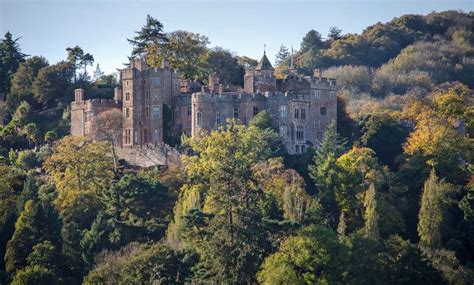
(302, 107)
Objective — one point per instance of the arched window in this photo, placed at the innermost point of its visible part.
(199, 119)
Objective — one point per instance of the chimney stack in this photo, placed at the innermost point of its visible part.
(79, 95)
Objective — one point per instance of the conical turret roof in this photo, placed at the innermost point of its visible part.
(264, 63)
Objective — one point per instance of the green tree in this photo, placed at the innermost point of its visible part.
(226, 65)
(313, 256)
(334, 33)
(32, 133)
(371, 216)
(281, 55)
(225, 228)
(138, 208)
(150, 36)
(53, 83)
(431, 217)
(28, 231)
(74, 57)
(356, 170)
(22, 82)
(22, 115)
(10, 58)
(323, 171)
(312, 40)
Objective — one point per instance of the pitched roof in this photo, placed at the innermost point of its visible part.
(264, 63)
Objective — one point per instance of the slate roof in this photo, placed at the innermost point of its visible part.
(264, 63)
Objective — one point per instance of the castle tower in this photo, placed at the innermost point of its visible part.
(261, 79)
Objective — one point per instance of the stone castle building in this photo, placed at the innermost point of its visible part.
(302, 107)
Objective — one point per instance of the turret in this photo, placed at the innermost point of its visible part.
(79, 95)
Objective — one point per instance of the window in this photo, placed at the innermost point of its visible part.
(218, 119)
(303, 148)
(147, 95)
(297, 113)
(127, 96)
(236, 112)
(145, 135)
(126, 82)
(297, 148)
(127, 113)
(147, 111)
(317, 94)
(322, 111)
(127, 136)
(190, 110)
(319, 135)
(156, 111)
(255, 110)
(332, 94)
(303, 114)
(299, 133)
(317, 123)
(199, 119)
(135, 137)
(155, 135)
(283, 131)
(283, 112)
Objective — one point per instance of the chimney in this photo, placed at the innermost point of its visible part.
(165, 64)
(118, 94)
(79, 95)
(317, 73)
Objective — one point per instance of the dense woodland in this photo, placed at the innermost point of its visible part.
(387, 199)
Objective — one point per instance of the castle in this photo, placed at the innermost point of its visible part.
(302, 107)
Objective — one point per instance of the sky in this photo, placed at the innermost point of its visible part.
(101, 27)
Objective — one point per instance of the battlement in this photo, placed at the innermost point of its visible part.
(235, 97)
(95, 104)
(322, 82)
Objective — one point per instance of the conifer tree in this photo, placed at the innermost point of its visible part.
(323, 171)
(27, 234)
(10, 59)
(282, 54)
(371, 217)
(431, 216)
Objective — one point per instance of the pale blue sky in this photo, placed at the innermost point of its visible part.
(101, 27)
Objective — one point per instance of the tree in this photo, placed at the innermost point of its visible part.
(151, 36)
(356, 170)
(323, 171)
(138, 209)
(109, 127)
(226, 65)
(383, 134)
(431, 217)
(281, 55)
(334, 33)
(53, 83)
(28, 231)
(81, 170)
(312, 40)
(74, 56)
(86, 60)
(50, 137)
(43, 263)
(225, 228)
(32, 133)
(22, 82)
(22, 115)
(313, 256)
(185, 51)
(371, 216)
(10, 58)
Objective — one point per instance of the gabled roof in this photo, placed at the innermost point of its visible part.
(264, 63)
